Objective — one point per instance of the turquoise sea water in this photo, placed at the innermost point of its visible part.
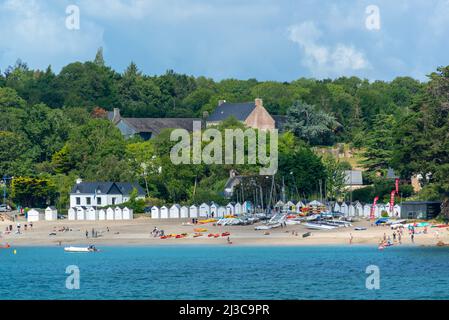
(226, 273)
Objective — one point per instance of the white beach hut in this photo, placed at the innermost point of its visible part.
(204, 210)
(299, 206)
(238, 208)
(184, 212)
(344, 208)
(110, 214)
(102, 215)
(221, 212)
(91, 214)
(51, 214)
(128, 214)
(230, 209)
(337, 207)
(118, 213)
(164, 212)
(397, 211)
(213, 210)
(351, 210)
(366, 210)
(247, 207)
(291, 206)
(175, 211)
(155, 212)
(358, 209)
(80, 213)
(193, 211)
(71, 214)
(33, 215)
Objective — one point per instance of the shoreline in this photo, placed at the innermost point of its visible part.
(136, 233)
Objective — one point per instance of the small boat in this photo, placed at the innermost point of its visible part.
(316, 226)
(292, 222)
(307, 234)
(81, 249)
(5, 246)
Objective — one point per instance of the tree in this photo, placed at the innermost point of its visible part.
(335, 177)
(314, 126)
(15, 155)
(99, 59)
(32, 192)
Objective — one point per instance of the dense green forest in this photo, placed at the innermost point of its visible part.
(51, 131)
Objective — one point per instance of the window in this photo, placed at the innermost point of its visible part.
(88, 200)
(99, 201)
(113, 201)
(78, 201)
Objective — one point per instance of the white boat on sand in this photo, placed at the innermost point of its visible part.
(316, 226)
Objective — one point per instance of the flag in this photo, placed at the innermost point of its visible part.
(372, 208)
(397, 185)
(392, 200)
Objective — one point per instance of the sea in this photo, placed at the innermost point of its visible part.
(225, 273)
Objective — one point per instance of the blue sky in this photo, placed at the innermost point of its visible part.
(278, 40)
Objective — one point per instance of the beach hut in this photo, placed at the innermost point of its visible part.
(193, 211)
(184, 212)
(72, 214)
(397, 211)
(91, 214)
(238, 208)
(230, 209)
(33, 215)
(110, 214)
(155, 212)
(247, 207)
(118, 213)
(102, 215)
(164, 212)
(221, 212)
(351, 210)
(175, 211)
(51, 214)
(213, 210)
(204, 210)
(366, 210)
(127, 213)
(358, 209)
(80, 213)
(279, 205)
(299, 206)
(337, 207)
(344, 208)
(291, 206)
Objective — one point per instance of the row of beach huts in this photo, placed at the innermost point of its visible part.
(205, 210)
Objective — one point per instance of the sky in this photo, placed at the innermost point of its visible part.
(280, 40)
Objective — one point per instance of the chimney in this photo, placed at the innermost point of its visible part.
(116, 114)
(79, 180)
(205, 115)
(258, 102)
(220, 102)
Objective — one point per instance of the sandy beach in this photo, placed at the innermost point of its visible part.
(138, 232)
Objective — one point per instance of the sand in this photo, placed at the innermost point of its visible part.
(137, 232)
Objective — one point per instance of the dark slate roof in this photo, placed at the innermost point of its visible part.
(156, 125)
(353, 177)
(106, 187)
(391, 174)
(240, 111)
(280, 122)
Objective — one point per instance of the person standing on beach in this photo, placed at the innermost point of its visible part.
(350, 238)
(87, 234)
(399, 238)
(412, 236)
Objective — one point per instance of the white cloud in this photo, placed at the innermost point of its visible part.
(322, 60)
(39, 36)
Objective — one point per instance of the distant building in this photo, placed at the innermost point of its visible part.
(252, 114)
(148, 128)
(100, 194)
(353, 179)
(420, 209)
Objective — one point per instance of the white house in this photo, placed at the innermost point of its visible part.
(110, 214)
(221, 212)
(155, 211)
(33, 215)
(102, 215)
(91, 214)
(213, 210)
(230, 209)
(51, 214)
(204, 210)
(101, 194)
(127, 214)
(164, 212)
(238, 208)
(118, 214)
(72, 214)
(80, 213)
(175, 211)
(184, 212)
(193, 211)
